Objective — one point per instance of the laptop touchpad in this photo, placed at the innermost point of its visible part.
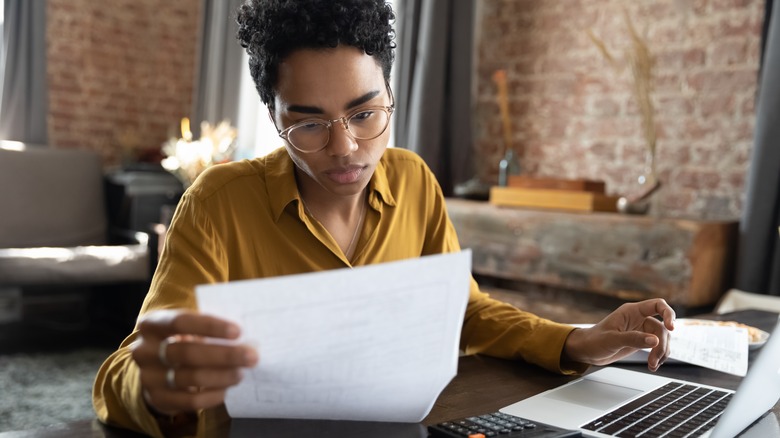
(593, 394)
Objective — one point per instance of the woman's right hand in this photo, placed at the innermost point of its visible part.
(181, 371)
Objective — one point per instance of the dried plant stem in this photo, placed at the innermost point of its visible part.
(641, 69)
(499, 77)
(641, 62)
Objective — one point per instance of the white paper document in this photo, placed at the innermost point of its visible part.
(373, 343)
(721, 348)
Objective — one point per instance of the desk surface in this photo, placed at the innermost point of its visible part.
(482, 385)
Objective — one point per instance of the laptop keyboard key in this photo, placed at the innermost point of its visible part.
(674, 410)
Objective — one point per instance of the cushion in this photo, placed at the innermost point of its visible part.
(51, 197)
(74, 265)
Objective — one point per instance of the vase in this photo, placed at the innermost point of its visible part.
(508, 166)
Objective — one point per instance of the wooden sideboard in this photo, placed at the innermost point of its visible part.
(687, 262)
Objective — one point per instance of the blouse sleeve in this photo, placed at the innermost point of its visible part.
(490, 326)
(193, 254)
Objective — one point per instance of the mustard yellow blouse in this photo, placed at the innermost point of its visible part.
(246, 220)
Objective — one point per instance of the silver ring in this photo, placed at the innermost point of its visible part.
(162, 352)
(170, 378)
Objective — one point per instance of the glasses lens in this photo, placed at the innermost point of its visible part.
(368, 124)
(311, 136)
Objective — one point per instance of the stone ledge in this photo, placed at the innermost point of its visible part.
(687, 262)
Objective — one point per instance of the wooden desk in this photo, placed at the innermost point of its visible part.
(482, 385)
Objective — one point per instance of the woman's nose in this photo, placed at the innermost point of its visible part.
(341, 142)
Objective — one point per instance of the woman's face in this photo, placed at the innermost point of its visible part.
(328, 84)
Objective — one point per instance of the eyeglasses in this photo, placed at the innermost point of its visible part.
(367, 123)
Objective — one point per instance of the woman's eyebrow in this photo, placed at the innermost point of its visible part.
(305, 109)
(362, 99)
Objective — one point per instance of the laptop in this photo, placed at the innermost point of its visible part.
(624, 403)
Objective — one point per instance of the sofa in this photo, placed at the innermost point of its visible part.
(54, 229)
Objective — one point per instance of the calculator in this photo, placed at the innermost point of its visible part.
(498, 424)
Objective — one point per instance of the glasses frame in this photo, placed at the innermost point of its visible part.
(388, 109)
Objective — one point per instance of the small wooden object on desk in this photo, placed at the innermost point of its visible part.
(537, 182)
(554, 193)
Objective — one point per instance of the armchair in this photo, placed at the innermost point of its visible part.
(54, 232)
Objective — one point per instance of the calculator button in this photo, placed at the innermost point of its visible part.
(495, 425)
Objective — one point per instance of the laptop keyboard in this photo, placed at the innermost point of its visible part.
(675, 410)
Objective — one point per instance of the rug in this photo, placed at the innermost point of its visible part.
(43, 389)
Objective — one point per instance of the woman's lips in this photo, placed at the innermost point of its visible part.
(347, 175)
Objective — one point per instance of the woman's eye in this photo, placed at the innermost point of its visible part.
(313, 126)
(361, 116)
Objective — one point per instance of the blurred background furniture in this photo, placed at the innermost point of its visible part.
(143, 198)
(62, 266)
(736, 300)
(597, 256)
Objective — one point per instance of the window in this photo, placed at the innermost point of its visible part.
(258, 134)
(2, 47)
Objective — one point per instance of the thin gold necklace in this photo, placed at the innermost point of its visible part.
(355, 233)
(353, 241)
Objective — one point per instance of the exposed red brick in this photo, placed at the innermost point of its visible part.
(730, 5)
(577, 116)
(717, 105)
(723, 81)
(676, 60)
(729, 52)
(120, 73)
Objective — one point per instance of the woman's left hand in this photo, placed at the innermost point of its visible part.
(631, 327)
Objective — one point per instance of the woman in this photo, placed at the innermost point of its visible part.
(333, 197)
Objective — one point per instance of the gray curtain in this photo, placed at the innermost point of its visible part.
(219, 65)
(758, 265)
(24, 98)
(433, 96)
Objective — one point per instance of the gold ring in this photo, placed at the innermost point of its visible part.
(162, 352)
(170, 378)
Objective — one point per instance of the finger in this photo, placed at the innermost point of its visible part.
(660, 353)
(194, 354)
(658, 306)
(173, 402)
(669, 317)
(208, 378)
(184, 379)
(199, 354)
(634, 339)
(164, 323)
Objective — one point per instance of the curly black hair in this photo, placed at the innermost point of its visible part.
(270, 30)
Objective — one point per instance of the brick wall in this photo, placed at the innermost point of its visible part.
(574, 116)
(120, 72)
(121, 75)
